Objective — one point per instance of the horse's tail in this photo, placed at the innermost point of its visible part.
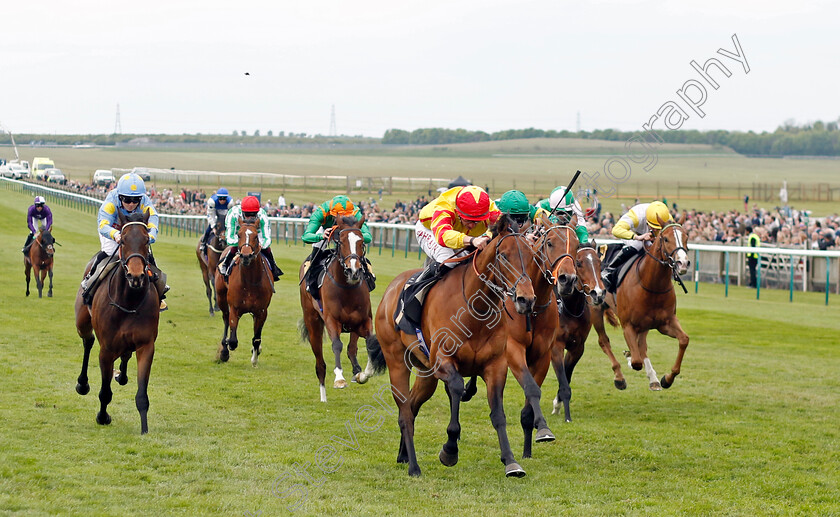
(611, 317)
(375, 356)
(304, 332)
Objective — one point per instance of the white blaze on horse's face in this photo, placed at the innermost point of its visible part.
(681, 256)
(354, 249)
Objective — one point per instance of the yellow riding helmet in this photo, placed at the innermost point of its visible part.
(657, 211)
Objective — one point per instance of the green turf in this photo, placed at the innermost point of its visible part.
(749, 428)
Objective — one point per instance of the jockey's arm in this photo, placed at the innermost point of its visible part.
(366, 234)
(106, 218)
(622, 230)
(232, 226)
(265, 229)
(316, 220)
(154, 218)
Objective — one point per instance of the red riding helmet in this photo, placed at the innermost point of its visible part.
(250, 204)
(472, 203)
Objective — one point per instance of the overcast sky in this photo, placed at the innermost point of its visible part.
(179, 66)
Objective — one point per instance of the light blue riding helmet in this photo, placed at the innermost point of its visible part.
(131, 185)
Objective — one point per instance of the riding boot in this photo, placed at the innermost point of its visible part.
(432, 270)
(275, 271)
(93, 275)
(609, 273)
(370, 277)
(203, 246)
(29, 240)
(226, 264)
(159, 278)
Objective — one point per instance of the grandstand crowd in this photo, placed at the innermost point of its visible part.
(783, 226)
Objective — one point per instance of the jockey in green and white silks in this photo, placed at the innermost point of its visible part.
(567, 206)
(249, 208)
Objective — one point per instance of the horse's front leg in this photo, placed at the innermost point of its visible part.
(233, 340)
(40, 276)
(256, 342)
(564, 391)
(27, 270)
(531, 416)
(223, 354)
(50, 272)
(122, 377)
(352, 350)
(106, 368)
(455, 390)
(82, 386)
(674, 330)
(145, 355)
(334, 332)
(494, 377)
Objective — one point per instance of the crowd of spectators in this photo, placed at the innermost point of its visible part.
(783, 226)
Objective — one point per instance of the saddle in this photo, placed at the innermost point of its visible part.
(314, 273)
(103, 269)
(409, 310)
(608, 251)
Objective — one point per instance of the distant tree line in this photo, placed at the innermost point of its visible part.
(817, 138)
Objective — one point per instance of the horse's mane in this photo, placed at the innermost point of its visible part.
(134, 217)
(586, 245)
(249, 220)
(504, 222)
(348, 220)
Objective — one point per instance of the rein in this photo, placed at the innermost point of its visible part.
(551, 272)
(668, 262)
(124, 264)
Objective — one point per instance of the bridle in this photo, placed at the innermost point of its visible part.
(124, 264)
(668, 262)
(505, 290)
(342, 259)
(218, 236)
(582, 286)
(254, 249)
(550, 273)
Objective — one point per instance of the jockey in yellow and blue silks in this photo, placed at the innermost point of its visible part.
(248, 209)
(128, 197)
(317, 233)
(567, 208)
(636, 227)
(217, 207)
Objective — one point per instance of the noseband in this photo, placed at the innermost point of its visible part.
(342, 259)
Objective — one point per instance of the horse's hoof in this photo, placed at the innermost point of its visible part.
(544, 435)
(622, 384)
(340, 384)
(103, 418)
(361, 378)
(122, 380)
(414, 472)
(514, 470)
(449, 460)
(82, 389)
(664, 382)
(232, 345)
(655, 386)
(49, 294)
(224, 356)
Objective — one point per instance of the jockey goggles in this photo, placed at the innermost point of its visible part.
(131, 199)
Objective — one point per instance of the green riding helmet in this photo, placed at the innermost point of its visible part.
(514, 203)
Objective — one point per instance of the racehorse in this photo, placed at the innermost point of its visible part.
(646, 300)
(209, 262)
(575, 323)
(124, 315)
(344, 304)
(39, 259)
(248, 289)
(459, 317)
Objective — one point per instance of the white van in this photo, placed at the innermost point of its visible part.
(103, 177)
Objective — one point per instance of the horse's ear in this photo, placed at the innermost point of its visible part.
(361, 221)
(660, 221)
(501, 226)
(146, 215)
(544, 220)
(682, 218)
(240, 220)
(120, 217)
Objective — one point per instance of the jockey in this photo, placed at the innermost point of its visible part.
(637, 226)
(39, 216)
(457, 218)
(128, 197)
(249, 208)
(217, 206)
(324, 217)
(567, 208)
(515, 204)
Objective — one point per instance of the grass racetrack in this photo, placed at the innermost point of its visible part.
(750, 427)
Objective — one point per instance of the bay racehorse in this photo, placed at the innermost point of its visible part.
(344, 304)
(124, 316)
(459, 319)
(646, 300)
(247, 290)
(39, 259)
(210, 261)
(575, 323)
